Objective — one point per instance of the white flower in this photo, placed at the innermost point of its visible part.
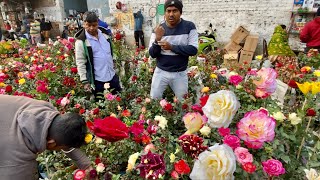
(100, 168)
(132, 161)
(312, 174)
(217, 163)
(172, 158)
(106, 85)
(98, 140)
(221, 108)
(278, 116)
(162, 121)
(205, 130)
(294, 119)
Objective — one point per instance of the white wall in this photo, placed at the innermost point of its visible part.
(258, 16)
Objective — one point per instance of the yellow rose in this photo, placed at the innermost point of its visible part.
(213, 76)
(132, 161)
(88, 138)
(193, 122)
(278, 116)
(72, 92)
(294, 119)
(259, 57)
(113, 115)
(172, 158)
(162, 121)
(315, 88)
(205, 130)
(316, 73)
(26, 57)
(221, 108)
(22, 81)
(218, 163)
(2, 84)
(305, 87)
(49, 58)
(205, 89)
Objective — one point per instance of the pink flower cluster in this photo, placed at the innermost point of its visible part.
(255, 128)
(266, 82)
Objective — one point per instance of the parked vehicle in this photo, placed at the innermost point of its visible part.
(207, 40)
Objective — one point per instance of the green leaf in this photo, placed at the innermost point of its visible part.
(286, 158)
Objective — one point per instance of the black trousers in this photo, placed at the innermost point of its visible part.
(114, 87)
(139, 35)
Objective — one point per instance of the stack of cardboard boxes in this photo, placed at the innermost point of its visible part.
(236, 54)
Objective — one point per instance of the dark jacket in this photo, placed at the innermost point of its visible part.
(84, 55)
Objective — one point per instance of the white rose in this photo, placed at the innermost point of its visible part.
(205, 130)
(162, 121)
(312, 174)
(217, 163)
(132, 161)
(100, 168)
(278, 116)
(294, 119)
(221, 108)
(65, 101)
(98, 140)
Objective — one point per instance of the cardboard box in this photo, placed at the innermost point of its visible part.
(245, 58)
(251, 43)
(239, 35)
(232, 46)
(231, 59)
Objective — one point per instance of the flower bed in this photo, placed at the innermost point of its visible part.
(231, 124)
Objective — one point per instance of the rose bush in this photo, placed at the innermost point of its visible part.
(221, 110)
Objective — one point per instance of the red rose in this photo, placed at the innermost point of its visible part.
(311, 112)
(97, 160)
(203, 100)
(118, 98)
(109, 128)
(174, 175)
(134, 78)
(118, 36)
(95, 111)
(185, 106)
(292, 83)
(82, 111)
(137, 128)
(74, 70)
(168, 107)
(8, 89)
(249, 167)
(182, 167)
(126, 113)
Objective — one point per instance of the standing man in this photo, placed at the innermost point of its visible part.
(94, 57)
(310, 34)
(171, 43)
(138, 33)
(28, 127)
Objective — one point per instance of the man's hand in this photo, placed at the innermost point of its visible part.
(165, 45)
(87, 87)
(159, 31)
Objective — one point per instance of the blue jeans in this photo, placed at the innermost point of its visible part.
(178, 82)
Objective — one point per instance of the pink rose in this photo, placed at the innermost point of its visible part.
(224, 131)
(149, 147)
(232, 141)
(235, 79)
(273, 167)
(163, 103)
(266, 82)
(79, 175)
(243, 155)
(255, 128)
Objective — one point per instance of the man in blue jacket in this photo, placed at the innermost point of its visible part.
(171, 43)
(138, 33)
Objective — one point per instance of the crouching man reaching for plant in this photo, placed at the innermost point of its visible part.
(28, 127)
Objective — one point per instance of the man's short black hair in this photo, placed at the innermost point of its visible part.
(90, 17)
(68, 130)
